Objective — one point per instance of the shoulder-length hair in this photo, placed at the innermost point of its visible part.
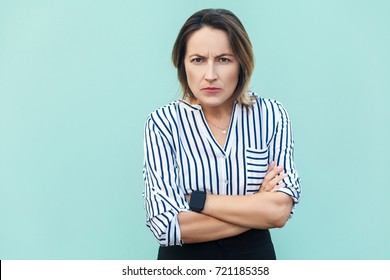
(239, 42)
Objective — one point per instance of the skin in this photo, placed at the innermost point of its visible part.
(210, 62)
(212, 75)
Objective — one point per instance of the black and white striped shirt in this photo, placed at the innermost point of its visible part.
(181, 155)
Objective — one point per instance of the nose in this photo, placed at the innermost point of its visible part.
(211, 73)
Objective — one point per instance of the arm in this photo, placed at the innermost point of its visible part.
(261, 210)
(197, 227)
(163, 199)
(265, 209)
(217, 221)
(281, 148)
(166, 206)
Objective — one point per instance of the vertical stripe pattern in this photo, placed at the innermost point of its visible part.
(181, 155)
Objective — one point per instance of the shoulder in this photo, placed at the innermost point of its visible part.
(263, 103)
(162, 113)
(163, 120)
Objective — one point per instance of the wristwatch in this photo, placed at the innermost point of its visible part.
(197, 201)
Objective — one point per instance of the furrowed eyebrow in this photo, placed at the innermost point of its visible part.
(218, 56)
(195, 54)
(224, 54)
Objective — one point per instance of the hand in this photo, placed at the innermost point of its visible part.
(273, 178)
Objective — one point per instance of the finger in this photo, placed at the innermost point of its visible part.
(278, 186)
(277, 182)
(271, 173)
(274, 184)
(266, 179)
(271, 166)
(272, 179)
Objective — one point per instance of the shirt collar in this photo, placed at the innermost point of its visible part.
(195, 107)
(192, 107)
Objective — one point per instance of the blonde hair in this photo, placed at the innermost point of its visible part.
(239, 42)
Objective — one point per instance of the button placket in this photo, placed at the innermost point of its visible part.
(224, 182)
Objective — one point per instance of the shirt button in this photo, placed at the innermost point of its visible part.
(226, 182)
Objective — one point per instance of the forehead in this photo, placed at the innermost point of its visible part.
(208, 41)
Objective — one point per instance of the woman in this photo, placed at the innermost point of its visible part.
(218, 168)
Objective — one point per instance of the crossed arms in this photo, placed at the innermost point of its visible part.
(229, 215)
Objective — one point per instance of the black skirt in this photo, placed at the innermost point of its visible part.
(254, 244)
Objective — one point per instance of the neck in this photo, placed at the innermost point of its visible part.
(218, 113)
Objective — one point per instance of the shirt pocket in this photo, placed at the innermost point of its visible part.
(256, 166)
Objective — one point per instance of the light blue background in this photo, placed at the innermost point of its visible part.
(78, 78)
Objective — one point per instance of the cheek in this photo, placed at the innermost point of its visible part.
(193, 76)
(232, 76)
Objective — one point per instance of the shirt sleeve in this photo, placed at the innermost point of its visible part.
(163, 199)
(281, 149)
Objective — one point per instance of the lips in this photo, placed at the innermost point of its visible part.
(211, 89)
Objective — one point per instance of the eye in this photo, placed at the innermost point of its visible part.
(224, 60)
(197, 60)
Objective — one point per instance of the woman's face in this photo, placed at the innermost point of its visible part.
(212, 69)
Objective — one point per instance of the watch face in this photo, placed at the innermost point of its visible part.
(197, 201)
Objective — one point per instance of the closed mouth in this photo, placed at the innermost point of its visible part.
(211, 89)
